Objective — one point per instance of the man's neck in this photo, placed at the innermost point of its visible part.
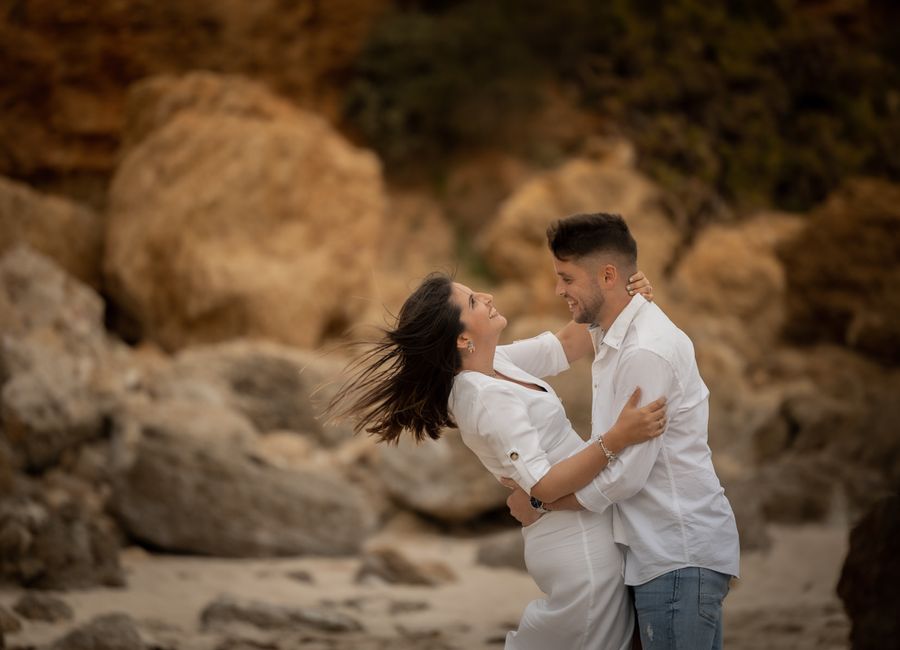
(614, 306)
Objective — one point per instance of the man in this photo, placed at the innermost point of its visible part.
(678, 527)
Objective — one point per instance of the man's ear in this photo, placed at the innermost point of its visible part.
(609, 275)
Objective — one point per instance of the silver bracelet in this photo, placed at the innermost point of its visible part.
(610, 457)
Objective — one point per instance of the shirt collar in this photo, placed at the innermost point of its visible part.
(616, 333)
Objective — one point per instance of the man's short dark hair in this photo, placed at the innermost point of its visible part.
(585, 234)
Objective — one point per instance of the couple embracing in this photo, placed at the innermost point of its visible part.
(633, 522)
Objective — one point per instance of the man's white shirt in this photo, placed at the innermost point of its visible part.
(672, 510)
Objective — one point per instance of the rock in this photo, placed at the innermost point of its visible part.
(42, 607)
(418, 239)
(734, 273)
(234, 224)
(64, 231)
(515, 244)
(265, 382)
(286, 449)
(53, 539)
(478, 185)
(506, 550)
(301, 576)
(798, 491)
(51, 409)
(746, 503)
(323, 373)
(226, 609)
(106, 632)
(839, 403)
(61, 372)
(62, 112)
(9, 464)
(8, 622)
(188, 482)
(870, 579)
(390, 566)
(442, 479)
(156, 101)
(844, 284)
(46, 304)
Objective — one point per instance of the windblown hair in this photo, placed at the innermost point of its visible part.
(403, 381)
(584, 234)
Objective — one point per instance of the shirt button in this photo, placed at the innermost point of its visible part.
(514, 455)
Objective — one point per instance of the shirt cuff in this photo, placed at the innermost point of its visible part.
(556, 352)
(531, 472)
(591, 498)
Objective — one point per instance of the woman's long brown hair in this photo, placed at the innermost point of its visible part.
(403, 381)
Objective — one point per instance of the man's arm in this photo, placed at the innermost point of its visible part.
(576, 341)
(626, 476)
(568, 502)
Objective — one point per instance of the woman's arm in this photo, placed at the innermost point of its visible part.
(575, 338)
(634, 425)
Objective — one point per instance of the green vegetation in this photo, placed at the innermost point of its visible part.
(768, 102)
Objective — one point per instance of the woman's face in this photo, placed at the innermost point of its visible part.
(482, 321)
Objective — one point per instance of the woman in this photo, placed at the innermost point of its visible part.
(441, 366)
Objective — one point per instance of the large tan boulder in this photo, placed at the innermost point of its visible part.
(845, 277)
(728, 294)
(417, 239)
(733, 275)
(225, 224)
(67, 68)
(69, 233)
(515, 244)
(156, 101)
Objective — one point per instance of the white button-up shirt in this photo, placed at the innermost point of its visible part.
(672, 509)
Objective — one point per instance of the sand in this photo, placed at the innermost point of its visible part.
(784, 599)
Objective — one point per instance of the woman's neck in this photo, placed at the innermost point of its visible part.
(480, 360)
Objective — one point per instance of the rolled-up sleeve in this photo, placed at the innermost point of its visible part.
(627, 476)
(503, 421)
(539, 356)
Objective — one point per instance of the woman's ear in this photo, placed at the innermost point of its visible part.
(462, 342)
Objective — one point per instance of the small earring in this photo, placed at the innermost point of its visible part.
(470, 347)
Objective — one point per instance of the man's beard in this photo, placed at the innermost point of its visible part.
(589, 313)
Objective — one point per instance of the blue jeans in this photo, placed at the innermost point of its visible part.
(682, 610)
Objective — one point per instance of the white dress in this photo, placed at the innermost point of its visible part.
(520, 432)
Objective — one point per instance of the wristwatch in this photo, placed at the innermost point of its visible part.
(538, 505)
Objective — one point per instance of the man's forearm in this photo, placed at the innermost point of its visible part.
(568, 502)
(576, 341)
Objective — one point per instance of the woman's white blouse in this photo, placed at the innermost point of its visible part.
(516, 431)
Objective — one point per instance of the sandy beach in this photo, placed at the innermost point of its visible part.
(784, 599)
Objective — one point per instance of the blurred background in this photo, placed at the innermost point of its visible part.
(203, 203)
